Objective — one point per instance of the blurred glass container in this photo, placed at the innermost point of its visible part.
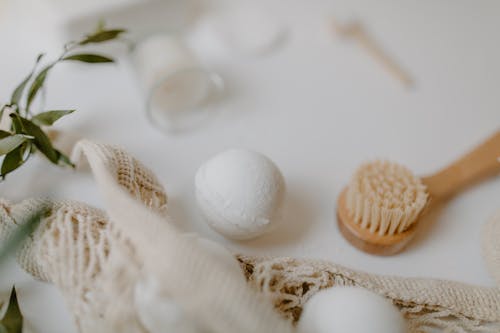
(179, 91)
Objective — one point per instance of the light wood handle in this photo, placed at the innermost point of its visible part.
(480, 163)
(356, 31)
(383, 59)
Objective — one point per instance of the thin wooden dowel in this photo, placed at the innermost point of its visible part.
(357, 32)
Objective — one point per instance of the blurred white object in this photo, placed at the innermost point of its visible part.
(218, 250)
(242, 28)
(73, 8)
(140, 17)
(160, 313)
(178, 89)
(350, 309)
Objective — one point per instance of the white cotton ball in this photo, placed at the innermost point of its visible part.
(352, 310)
(240, 193)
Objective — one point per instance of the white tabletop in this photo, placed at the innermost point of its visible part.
(317, 106)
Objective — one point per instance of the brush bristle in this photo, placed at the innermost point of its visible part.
(385, 197)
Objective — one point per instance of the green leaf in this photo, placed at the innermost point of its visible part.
(9, 143)
(37, 84)
(48, 118)
(64, 160)
(89, 58)
(4, 134)
(12, 160)
(16, 95)
(18, 92)
(12, 322)
(26, 225)
(41, 140)
(102, 36)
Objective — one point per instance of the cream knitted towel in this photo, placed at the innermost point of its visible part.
(96, 259)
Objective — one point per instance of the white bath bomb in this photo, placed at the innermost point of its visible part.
(350, 309)
(240, 193)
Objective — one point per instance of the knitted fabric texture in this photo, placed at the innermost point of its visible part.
(96, 258)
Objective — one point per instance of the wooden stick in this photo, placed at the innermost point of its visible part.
(356, 31)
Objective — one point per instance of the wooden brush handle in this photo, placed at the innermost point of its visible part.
(480, 163)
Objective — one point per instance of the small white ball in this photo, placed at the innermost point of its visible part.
(350, 309)
(240, 193)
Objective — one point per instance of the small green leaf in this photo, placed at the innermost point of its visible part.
(16, 95)
(102, 36)
(18, 92)
(89, 58)
(12, 322)
(12, 161)
(48, 118)
(9, 143)
(64, 160)
(4, 134)
(37, 84)
(41, 140)
(25, 226)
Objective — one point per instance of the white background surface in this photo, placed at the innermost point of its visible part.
(318, 106)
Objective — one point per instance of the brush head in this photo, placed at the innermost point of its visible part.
(380, 206)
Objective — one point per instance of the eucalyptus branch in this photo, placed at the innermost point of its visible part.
(25, 134)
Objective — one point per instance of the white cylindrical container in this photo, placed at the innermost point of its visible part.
(177, 88)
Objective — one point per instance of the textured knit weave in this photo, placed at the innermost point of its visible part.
(427, 303)
(96, 258)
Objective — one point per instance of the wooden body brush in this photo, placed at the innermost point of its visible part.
(378, 212)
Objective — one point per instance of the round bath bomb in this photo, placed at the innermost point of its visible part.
(240, 193)
(350, 309)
